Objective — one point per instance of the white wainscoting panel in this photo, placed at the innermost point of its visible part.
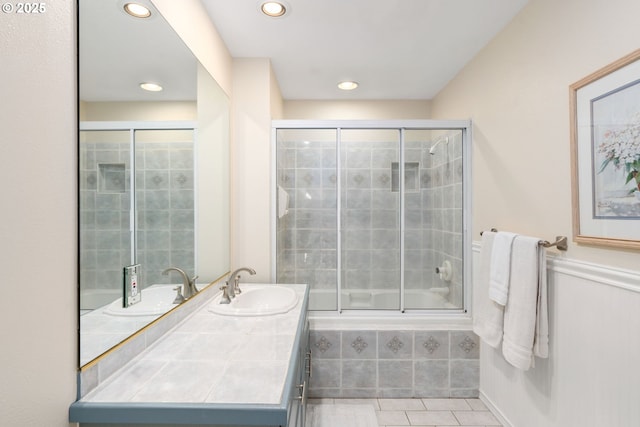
(592, 377)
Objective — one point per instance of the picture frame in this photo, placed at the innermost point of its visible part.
(605, 155)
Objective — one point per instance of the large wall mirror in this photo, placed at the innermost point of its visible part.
(153, 172)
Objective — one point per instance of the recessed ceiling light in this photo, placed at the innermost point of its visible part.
(273, 9)
(347, 85)
(151, 87)
(137, 10)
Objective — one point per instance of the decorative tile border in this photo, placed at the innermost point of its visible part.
(394, 364)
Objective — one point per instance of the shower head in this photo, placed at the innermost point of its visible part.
(432, 150)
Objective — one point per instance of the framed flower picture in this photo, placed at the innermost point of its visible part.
(605, 155)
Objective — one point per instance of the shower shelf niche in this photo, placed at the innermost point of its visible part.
(411, 176)
(111, 178)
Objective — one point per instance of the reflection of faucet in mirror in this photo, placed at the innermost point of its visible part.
(188, 285)
(232, 290)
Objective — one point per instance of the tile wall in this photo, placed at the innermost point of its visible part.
(398, 364)
(165, 197)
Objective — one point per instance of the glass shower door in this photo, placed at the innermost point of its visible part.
(146, 218)
(165, 203)
(370, 219)
(372, 215)
(106, 226)
(433, 206)
(306, 241)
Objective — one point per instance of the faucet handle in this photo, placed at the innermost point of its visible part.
(179, 298)
(236, 285)
(225, 294)
(192, 283)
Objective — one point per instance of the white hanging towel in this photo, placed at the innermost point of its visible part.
(487, 314)
(526, 327)
(500, 269)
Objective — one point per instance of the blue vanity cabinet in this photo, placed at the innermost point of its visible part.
(284, 405)
(300, 390)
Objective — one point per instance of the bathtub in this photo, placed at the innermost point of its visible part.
(381, 299)
(417, 353)
(378, 309)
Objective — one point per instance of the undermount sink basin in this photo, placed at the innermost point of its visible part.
(156, 300)
(257, 300)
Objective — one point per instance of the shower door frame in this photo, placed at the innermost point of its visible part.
(132, 127)
(464, 126)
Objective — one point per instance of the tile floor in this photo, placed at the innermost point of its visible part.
(425, 412)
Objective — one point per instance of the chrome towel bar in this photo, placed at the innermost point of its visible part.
(560, 243)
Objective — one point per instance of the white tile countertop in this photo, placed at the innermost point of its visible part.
(208, 364)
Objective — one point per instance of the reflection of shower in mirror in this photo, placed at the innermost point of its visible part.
(432, 150)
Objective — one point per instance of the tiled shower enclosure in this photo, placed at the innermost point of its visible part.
(147, 220)
(371, 216)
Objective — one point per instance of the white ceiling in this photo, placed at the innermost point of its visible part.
(118, 52)
(395, 49)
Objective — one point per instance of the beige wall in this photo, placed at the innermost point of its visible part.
(255, 95)
(516, 91)
(138, 111)
(38, 158)
(357, 110)
(191, 22)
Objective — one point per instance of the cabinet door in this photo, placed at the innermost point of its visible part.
(298, 414)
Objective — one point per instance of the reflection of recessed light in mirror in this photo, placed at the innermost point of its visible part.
(137, 10)
(151, 87)
(347, 85)
(273, 9)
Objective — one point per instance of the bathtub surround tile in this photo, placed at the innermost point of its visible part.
(461, 393)
(399, 364)
(359, 344)
(464, 345)
(431, 344)
(327, 393)
(431, 374)
(395, 393)
(464, 373)
(359, 393)
(325, 344)
(359, 374)
(394, 374)
(395, 345)
(326, 374)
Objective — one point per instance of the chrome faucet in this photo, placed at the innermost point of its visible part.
(188, 285)
(230, 290)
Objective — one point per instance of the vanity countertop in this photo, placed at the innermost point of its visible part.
(210, 367)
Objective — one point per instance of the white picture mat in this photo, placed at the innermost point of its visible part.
(628, 229)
